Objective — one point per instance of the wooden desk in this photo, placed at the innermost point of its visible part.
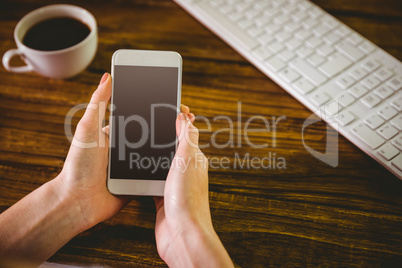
(308, 214)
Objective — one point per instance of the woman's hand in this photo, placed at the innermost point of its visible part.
(184, 233)
(42, 222)
(84, 172)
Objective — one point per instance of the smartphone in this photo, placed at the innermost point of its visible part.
(146, 97)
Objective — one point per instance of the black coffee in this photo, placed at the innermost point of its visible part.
(55, 34)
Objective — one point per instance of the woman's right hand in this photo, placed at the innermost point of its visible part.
(184, 233)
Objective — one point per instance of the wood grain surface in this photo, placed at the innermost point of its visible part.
(305, 215)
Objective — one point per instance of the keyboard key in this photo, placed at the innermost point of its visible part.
(346, 99)
(265, 38)
(272, 28)
(334, 65)
(397, 103)
(319, 98)
(281, 19)
(321, 30)
(262, 53)
(275, 64)
(374, 121)
(397, 122)
(303, 86)
(355, 39)
(294, 43)
(235, 16)
(332, 109)
(371, 100)
(384, 91)
(292, 27)
(316, 12)
(343, 31)
(288, 8)
(397, 162)
(242, 37)
(313, 42)
(225, 8)
(271, 12)
(368, 136)
(303, 34)
(255, 31)
(309, 23)
(252, 13)
(275, 47)
(358, 73)
(387, 112)
(260, 5)
(325, 50)
(286, 55)
(345, 81)
(395, 83)
(397, 142)
(216, 3)
(262, 20)
(388, 151)
(245, 23)
(304, 5)
(277, 3)
(367, 47)
(299, 15)
(345, 118)
(308, 71)
(242, 6)
(383, 74)
(283, 36)
(371, 82)
(350, 51)
(330, 22)
(371, 65)
(289, 75)
(315, 60)
(304, 52)
(387, 131)
(332, 38)
(358, 91)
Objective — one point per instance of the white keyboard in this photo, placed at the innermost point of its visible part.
(341, 76)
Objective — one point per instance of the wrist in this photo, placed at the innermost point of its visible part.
(198, 246)
(74, 212)
(46, 214)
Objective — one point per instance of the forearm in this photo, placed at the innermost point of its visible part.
(38, 225)
(199, 248)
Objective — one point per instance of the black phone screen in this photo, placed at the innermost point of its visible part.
(143, 136)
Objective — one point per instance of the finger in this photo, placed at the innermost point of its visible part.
(105, 130)
(187, 133)
(99, 99)
(104, 90)
(158, 202)
(192, 117)
(184, 109)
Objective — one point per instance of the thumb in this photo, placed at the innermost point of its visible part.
(99, 99)
(186, 132)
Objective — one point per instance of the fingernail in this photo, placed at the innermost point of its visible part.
(183, 116)
(104, 78)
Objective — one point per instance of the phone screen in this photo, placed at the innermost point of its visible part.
(143, 135)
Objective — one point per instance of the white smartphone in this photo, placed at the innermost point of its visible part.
(146, 97)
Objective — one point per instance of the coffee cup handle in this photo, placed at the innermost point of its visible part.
(19, 69)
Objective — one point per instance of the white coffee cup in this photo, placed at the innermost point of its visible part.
(63, 63)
